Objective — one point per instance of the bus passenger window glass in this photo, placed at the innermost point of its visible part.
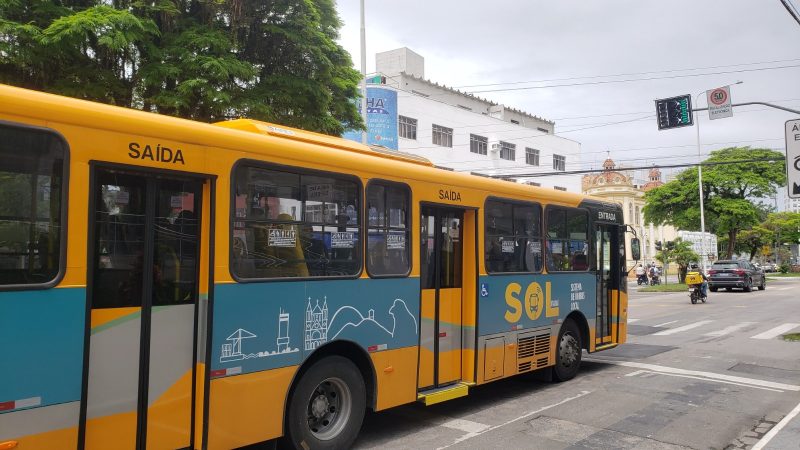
(31, 177)
(513, 238)
(119, 225)
(388, 242)
(293, 225)
(567, 240)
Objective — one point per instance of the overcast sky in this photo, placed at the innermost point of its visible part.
(470, 42)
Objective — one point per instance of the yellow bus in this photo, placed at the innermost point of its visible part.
(171, 284)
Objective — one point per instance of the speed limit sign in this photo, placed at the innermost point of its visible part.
(719, 103)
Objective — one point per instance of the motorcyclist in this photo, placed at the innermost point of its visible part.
(640, 274)
(693, 267)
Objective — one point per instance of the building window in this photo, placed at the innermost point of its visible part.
(292, 223)
(531, 156)
(32, 176)
(442, 136)
(559, 162)
(543, 130)
(636, 217)
(478, 144)
(508, 151)
(408, 127)
(515, 122)
(630, 213)
(388, 236)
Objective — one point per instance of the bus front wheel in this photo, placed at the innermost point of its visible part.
(568, 352)
(327, 406)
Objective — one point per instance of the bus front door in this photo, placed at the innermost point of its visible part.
(143, 290)
(441, 267)
(606, 245)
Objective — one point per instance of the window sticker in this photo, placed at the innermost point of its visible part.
(282, 238)
(343, 240)
(396, 242)
(508, 246)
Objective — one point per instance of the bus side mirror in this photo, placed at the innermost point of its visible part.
(635, 250)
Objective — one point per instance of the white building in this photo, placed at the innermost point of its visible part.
(460, 131)
(707, 253)
(791, 204)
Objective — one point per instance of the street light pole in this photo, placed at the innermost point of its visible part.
(700, 187)
(703, 246)
(363, 74)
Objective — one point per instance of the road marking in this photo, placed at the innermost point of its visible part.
(524, 416)
(768, 437)
(780, 329)
(730, 329)
(632, 320)
(697, 373)
(466, 426)
(666, 323)
(645, 372)
(683, 328)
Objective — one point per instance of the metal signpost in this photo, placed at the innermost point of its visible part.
(793, 158)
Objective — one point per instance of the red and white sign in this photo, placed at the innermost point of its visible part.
(719, 103)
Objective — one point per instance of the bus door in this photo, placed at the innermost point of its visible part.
(441, 269)
(143, 289)
(607, 248)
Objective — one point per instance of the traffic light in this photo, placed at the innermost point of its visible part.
(670, 245)
(658, 246)
(674, 112)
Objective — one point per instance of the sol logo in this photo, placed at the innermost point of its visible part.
(531, 303)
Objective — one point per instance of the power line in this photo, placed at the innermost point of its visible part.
(634, 79)
(792, 12)
(662, 166)
(625, 74)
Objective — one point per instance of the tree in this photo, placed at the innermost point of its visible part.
(683, 255)
(206, 60)
(728, 193)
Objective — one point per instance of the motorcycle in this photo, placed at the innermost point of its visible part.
(695, 282)
(695, 293)
(654, 280)
(642, 279)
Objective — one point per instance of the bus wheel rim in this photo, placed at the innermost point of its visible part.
(568, 350)
(329, 408)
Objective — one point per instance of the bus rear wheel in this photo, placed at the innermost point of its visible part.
(327, 406)
(568, 352)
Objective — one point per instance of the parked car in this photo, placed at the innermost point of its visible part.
(770, 267)
(731, 274)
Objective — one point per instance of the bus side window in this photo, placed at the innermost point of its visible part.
(567, 239)
(512, 237)
(388, 236)
(294, 223)
(32, 175)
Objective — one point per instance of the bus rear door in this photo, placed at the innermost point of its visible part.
(145, 279)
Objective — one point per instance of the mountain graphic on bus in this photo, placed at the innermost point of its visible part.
(350, 323)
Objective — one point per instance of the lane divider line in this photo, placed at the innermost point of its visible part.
(524, 416)
(774, 431)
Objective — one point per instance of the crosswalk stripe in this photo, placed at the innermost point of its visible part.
(666, 323)
(683, 328)
(730, 329)
(774, 332)
(632, 320)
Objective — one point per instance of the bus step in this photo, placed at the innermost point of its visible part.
(443, 394)
(604, 347)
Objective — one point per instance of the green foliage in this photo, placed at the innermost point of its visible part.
(729, 193)
(784, 268)
(681, 254)
(202, 59)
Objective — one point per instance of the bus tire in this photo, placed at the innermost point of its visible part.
(568, 352)
(327, 406)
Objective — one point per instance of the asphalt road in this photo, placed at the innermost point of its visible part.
(706, 376)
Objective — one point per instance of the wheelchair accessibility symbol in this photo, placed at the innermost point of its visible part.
(484, 290)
